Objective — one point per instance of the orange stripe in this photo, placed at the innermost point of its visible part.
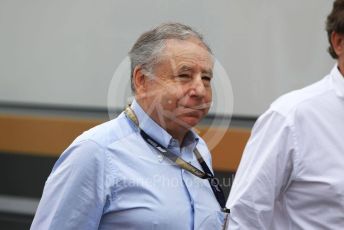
(227, 153)
(51, 135)
(40, 135)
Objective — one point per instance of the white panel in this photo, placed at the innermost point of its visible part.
(66, 52)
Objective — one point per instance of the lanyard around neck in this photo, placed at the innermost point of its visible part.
(207, 174)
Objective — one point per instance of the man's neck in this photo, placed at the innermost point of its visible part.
(180, 135)
(177, 133)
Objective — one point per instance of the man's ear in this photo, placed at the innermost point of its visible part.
(139, 80)
(337, 41)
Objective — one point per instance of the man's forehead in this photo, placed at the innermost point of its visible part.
(172, 44)
(187, 51)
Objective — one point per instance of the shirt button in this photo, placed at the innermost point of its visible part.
(160, 158)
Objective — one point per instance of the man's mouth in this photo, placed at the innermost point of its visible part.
(194, 111)
(197, 107)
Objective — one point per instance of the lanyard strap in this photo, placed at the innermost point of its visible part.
(214, 182)
(207, 174)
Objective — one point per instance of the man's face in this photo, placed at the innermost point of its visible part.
(179, 94)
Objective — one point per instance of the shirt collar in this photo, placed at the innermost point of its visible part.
(338, 81)
(158, 133)
(190, 142)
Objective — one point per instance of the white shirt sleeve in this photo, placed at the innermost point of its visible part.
(73, 196)
(265, 170)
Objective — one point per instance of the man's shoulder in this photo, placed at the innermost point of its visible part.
(298, 99)
(87, 148)
(107, 132)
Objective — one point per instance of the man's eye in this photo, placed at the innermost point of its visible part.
(184, 76)
(206, 78)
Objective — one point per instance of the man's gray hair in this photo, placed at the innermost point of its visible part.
(146, 50)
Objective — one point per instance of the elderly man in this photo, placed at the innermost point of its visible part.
(291, 173)
(146, 169)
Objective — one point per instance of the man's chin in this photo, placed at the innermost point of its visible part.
(190, 121)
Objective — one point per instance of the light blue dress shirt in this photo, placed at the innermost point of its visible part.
(110, 178)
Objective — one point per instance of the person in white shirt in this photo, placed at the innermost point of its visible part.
(291, 175)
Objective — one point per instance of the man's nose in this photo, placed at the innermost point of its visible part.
(197, 88)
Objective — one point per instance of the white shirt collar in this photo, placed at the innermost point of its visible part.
(338, 81)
